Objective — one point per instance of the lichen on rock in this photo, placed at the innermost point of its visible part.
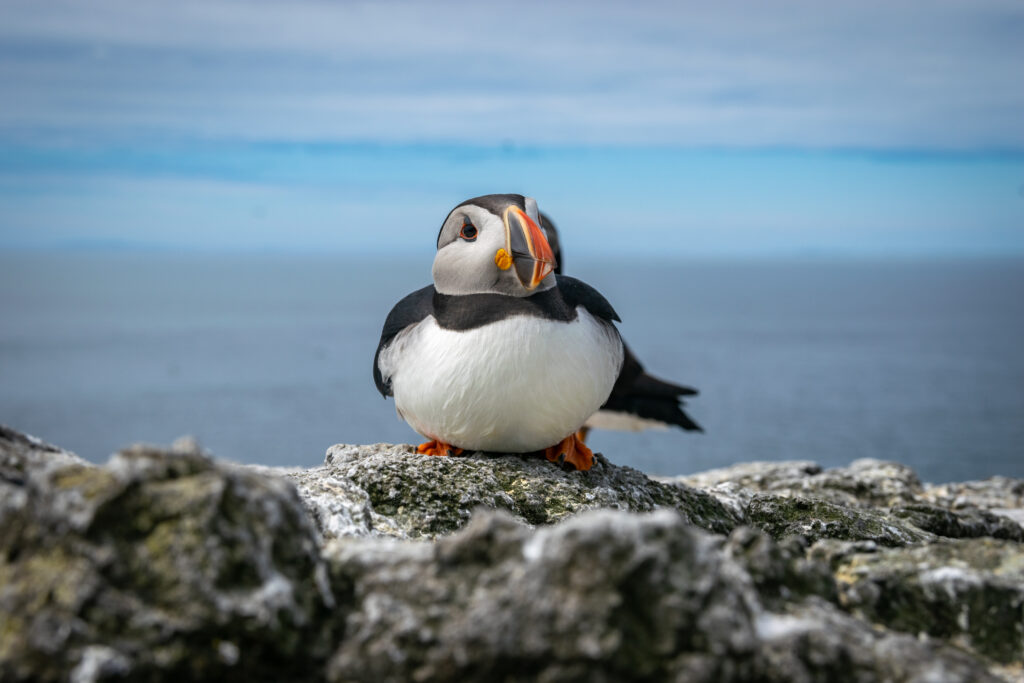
(401, 493)
(812, 518)
(961, 523)
(864, 482)
(605, 596)
(969, 591)
(159, 565)
(384, 565)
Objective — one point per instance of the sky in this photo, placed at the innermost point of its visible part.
(689, 129)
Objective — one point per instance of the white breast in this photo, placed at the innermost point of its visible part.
(516, 385)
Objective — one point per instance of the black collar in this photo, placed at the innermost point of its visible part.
(469, 311)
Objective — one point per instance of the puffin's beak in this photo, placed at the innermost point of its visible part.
(531, 254)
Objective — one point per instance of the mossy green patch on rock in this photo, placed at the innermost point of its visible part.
(961, 523)
(159, 566)
(428, 496)
(606, 596)
(782, 571)
(970, 591)
(167, 565)
(816, 519)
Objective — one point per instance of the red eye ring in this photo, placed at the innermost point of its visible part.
(468, 232)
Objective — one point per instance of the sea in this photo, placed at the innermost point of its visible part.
(266, 358)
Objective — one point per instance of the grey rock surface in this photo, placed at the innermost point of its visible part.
(961, 523)
(381, 564)
(990, 494)
(869, 499)
(969, 591)
(605, 596)
(22, 456)
(865, 482)
(814, 519)
(398, 492)
(161, 565)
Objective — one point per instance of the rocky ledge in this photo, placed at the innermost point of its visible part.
(383, 565)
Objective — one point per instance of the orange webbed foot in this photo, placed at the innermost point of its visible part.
(571, 451)
(436, 447)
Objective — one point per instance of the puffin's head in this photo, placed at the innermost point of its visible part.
(493, 244)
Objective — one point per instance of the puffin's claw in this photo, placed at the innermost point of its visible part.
(571, 451)
(436, 447)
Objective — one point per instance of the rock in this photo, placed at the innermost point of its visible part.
(381, 564)
(868, 500)
(970, 592)
(339, 506)
(401, 493)
(781, 572)
(736, 485)
(865, 482)
(161, 566)
(963, 523)
(21, 455)
(813, 643)
(815, 519)
(1002, 493)
(604, 596)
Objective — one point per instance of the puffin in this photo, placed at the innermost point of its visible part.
(499, 354)
(639, 401)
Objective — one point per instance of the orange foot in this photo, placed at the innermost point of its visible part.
(436, 447)
(571, 451)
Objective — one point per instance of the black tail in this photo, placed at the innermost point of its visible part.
(640, 394)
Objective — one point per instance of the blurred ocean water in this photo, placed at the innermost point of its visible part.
(266, 358)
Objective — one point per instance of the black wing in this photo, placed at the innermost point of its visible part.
(409, 311)
(578, 293)
(637, 393)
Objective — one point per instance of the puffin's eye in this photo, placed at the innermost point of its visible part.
(468, 231)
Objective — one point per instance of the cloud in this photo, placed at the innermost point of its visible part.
(722, 127)
(366, 198)
(869, 74)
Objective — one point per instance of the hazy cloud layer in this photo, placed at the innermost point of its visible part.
(359, 198)
(939, 74)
